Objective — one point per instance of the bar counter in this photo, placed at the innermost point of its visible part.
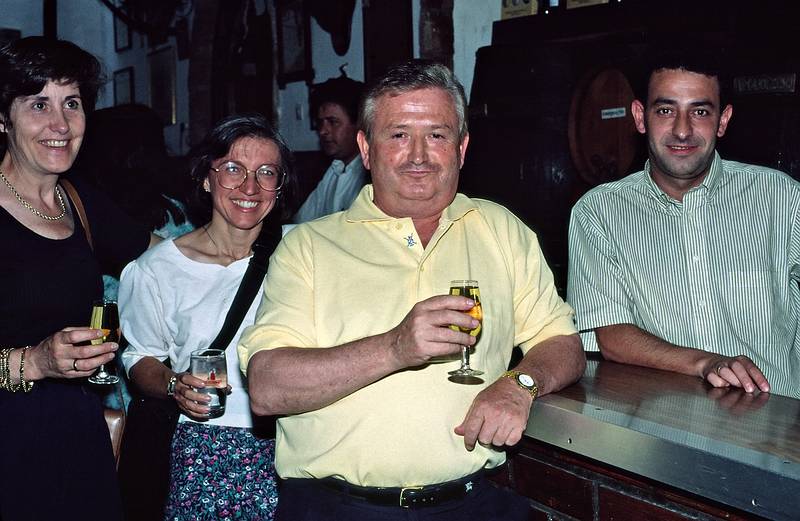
(678, 446)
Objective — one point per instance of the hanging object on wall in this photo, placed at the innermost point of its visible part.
(294, 42)
(336, 18)
(156, 19)
(436, 31)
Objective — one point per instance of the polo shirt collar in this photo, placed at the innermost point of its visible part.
(460, 207)
(364, 209)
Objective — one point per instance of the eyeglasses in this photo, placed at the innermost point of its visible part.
(232, 175)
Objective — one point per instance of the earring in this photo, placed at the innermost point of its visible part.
(206, 186)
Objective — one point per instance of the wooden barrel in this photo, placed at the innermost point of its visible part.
(603, 139)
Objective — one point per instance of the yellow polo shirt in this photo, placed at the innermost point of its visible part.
(357, 273)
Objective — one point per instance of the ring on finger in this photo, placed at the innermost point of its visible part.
(75, 365)
(719, 368)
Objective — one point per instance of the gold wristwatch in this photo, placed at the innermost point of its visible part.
(525, 381)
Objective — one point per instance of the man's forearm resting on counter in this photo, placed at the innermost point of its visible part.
(629, 344)
(499, 413)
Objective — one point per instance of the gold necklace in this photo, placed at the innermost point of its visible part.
(30, 207)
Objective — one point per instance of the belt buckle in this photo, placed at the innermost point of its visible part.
(403, 498)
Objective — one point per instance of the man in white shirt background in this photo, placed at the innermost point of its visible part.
(335, 105)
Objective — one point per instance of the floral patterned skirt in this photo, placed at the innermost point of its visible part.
(221, 473)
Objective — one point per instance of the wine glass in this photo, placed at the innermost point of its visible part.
(467, 288)
(106, 317)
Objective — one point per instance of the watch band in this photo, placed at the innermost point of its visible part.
(171, 385)
(523, 380)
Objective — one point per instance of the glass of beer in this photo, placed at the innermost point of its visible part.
(106, 317)
(209, 365)
(467, 288)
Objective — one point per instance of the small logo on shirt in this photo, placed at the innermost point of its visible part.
(410, 241)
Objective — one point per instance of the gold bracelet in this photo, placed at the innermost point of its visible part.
(24, 385)
(5, 370)
(10, 386)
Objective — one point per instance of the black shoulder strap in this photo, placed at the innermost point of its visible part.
(251, 282)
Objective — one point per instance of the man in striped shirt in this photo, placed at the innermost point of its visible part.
(692, 264)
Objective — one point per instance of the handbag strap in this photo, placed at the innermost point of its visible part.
(251, 282)
(76, 201)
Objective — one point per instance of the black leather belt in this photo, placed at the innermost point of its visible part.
(409, 497)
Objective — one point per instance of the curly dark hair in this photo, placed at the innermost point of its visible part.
(27, 64)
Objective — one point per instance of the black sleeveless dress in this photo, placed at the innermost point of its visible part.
(55, 453)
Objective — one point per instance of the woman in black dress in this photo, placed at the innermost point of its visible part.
(56, 460)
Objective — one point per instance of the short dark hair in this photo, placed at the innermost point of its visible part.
(413, 75)
(218, 142)
(27, 64)
(341, 91)
(694, 57)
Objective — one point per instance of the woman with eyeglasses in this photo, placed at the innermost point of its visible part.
(174, 299)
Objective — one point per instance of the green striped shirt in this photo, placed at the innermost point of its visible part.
(718, 271)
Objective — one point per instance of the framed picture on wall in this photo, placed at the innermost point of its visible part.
(294, 42)
(122, 33)
(123, 86)
(162, 84)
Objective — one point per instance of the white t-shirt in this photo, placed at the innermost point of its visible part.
(171, 305)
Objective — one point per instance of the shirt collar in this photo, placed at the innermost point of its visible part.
(710, 183)
(364, 209)
(339, 167)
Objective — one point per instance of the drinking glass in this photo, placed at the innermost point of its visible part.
(209, 365)
(106, 317)
(467, 288)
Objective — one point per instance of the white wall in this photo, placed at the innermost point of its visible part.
(472, 29)
(294, 120)
(89, 24)
(24, 15)
(472, 25)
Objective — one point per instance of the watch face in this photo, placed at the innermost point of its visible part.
(525, 380)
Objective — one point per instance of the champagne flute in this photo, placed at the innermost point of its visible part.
(467, 288)
(106, 317)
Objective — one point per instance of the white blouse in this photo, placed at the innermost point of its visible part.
(171, 305)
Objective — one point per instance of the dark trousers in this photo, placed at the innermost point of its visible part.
(308, 500)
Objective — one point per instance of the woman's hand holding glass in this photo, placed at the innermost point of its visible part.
(63, 355)
(191, 402)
